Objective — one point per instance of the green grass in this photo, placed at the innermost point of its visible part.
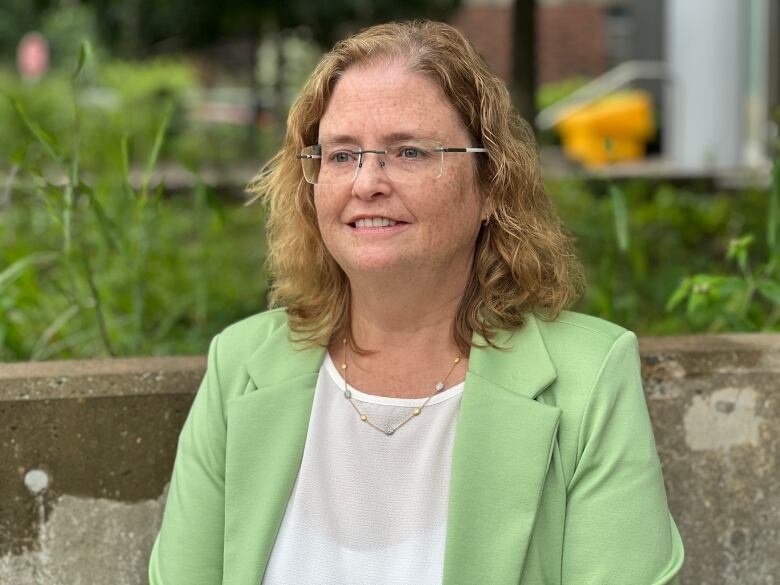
(187, 266)
(166, 289)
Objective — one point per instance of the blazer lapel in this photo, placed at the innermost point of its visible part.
(503, 444)
(267, 429)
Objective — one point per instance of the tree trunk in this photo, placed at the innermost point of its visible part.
(524, 59)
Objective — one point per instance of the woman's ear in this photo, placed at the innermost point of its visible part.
(487, 211)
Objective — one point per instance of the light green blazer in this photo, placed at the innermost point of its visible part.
(555, 476)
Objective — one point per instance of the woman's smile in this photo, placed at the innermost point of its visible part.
(377, 226)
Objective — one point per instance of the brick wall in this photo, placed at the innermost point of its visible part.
(571, 39)
(490, 29)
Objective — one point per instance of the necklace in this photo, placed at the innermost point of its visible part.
(438, 387)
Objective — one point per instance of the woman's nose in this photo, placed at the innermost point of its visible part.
(371, 178)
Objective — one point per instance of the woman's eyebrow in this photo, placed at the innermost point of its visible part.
(386, 138)
(398, 136)
(338, 139)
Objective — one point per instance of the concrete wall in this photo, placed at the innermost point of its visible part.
(102, 435)
(86, 449)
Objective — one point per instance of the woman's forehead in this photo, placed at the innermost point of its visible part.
(367, 91)
(387, 103)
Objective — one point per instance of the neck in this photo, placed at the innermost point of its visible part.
(405, 324)
(408, 312)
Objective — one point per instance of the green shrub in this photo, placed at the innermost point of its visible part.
(671, 234)
(91, 266)
(745, 296)
(122, 99)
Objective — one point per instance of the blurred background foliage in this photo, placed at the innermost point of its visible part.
(102, 253)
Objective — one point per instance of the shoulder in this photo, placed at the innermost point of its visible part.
(580, 344)
(263, 348)
(254, 331)
(587, 353)
(597, 378)
(233, 346)
(577, 326)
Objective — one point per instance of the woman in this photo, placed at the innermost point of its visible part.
(421, 410)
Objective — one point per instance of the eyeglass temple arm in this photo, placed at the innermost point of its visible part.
(456, 149)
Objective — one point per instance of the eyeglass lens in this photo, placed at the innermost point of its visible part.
(409, 161)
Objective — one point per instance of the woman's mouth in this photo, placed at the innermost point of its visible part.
(374, 222)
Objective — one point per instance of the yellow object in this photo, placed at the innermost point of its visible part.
(613, 129)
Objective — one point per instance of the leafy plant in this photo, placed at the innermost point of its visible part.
(639, 239)
(748, 300)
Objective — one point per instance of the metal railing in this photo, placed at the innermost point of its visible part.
(621, 76)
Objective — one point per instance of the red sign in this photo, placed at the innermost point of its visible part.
(32, 56)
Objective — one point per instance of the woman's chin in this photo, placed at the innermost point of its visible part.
(378, 264)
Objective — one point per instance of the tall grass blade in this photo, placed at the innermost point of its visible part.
(44, 138)
(51, 197)
(51, 331)
(201, 279)
(79, 339)
(770, 290)
(84, 52)
(107, 227)
(99, 309)
(66, 219)
(159, 140)
(5, 197)
(18, 267)
(124, 147)
(620, 214)
(774, 207)
(216, 205)
(680, 294)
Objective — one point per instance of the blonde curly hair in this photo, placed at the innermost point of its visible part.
(524, 261)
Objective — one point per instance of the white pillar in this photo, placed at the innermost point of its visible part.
(757, 84)
(705, 48)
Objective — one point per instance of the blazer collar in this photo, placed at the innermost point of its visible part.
(503, 445)
(521, 365)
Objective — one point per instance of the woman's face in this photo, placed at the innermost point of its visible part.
(436, 219)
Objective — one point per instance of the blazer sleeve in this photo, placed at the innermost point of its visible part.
(618, 528)
(189, 546)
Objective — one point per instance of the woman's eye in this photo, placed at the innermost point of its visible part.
(341, 157)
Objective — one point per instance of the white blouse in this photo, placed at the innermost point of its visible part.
(367, 508)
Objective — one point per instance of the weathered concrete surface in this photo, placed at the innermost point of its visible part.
(715, 405)
(86, 450)
(88, 541)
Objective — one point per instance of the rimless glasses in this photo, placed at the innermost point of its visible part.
(407, 161)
